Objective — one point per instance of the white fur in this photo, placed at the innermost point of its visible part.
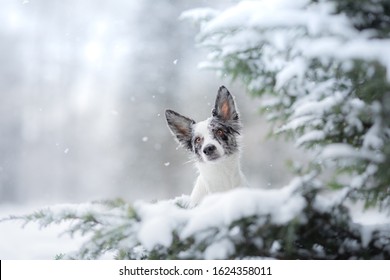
(223, 175)
(220, 175)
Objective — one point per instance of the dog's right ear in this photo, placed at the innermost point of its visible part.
(225, 108)
(181, 127)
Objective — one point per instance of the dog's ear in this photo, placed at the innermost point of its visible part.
(224, 108)
(181, 127)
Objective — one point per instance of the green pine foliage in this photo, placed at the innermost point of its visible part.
(322, 71)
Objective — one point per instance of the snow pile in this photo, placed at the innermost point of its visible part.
(216, 212)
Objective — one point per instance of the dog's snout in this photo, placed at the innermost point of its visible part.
(209, 149)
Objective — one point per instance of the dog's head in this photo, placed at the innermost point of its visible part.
(213, 138)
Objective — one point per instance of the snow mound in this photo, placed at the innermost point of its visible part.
(215, 211)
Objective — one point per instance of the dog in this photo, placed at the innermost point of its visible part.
(214, 144)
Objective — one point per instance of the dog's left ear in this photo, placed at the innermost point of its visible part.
(181, 128)
(225, 108)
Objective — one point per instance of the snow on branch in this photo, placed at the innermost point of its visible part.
(238, 224)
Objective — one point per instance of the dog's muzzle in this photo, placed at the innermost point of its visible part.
(210, 152)
(209, 149)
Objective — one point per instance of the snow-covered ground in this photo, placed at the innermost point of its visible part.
(31, 242)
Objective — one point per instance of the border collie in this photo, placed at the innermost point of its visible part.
(215, 144)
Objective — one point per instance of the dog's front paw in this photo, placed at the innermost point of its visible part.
(183, 201)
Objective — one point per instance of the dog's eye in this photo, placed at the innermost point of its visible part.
(197, 140)
(220, 132)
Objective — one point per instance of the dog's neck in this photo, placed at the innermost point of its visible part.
(225, 174)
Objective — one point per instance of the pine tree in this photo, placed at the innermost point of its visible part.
(322, 71)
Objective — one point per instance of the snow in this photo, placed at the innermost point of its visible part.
(368, 220)
(326, 201)
(371, 220)
(199, 14)
(314, 135)
(275, 247)
(155, 232)
(296, 68)
(253, 13)
(359, 48)
(319, 107)
(340, 150)
(370, 217)
(31, 241)
(296, 123)
(248, 17)
(215, 211)
(372, 138)
(243, 39)
(219, 250)
(159, 224)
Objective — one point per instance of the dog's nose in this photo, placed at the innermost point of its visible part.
(209, 149)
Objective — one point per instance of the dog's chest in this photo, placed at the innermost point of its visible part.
(220, 177)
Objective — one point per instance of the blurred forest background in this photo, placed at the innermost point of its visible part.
(84, 86)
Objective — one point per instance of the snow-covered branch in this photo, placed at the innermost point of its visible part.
(239, 224)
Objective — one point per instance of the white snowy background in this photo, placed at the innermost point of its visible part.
(84, 85)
